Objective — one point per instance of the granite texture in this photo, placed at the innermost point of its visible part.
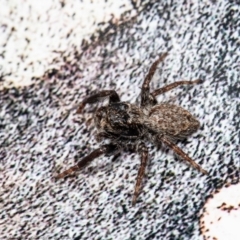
(41, 135)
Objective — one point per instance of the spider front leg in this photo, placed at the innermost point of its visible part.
(113, 97)
(146, 97)
(182, 154)
(108, 149)
(142, 149)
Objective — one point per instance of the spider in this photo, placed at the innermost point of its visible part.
(127, 126)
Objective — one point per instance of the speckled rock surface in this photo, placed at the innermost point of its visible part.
(40, 134)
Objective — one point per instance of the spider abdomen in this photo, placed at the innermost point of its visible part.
(172, 121)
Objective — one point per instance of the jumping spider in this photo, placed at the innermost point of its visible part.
(128, 126)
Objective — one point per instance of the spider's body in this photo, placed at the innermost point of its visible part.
(128, 126)
(123, 121)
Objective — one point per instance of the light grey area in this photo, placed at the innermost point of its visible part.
(40, 134)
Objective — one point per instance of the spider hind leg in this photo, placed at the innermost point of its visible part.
(183, 155)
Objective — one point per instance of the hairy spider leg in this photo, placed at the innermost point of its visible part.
(174, 85)
(113, 97)
(182, 154)
(145, 92)
(104, 149)
(142, 149)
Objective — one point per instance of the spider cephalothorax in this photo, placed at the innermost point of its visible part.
(129, 126)
(120, 119)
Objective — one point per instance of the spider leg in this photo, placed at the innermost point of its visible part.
(174, 85)
(105, 149)
(146, 98)
(142, 149)
(182, 154)
(116, 156)
(113, 97)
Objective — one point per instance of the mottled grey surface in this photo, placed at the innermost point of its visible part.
(41, 135)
